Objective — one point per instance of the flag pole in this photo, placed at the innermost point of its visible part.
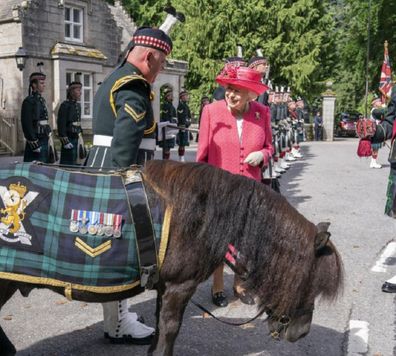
(367, 57)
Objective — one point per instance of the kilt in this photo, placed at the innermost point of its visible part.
(42, 156)
(69, 157)
(182, 138)
(169, 143)
(47, 249)
(390, 206)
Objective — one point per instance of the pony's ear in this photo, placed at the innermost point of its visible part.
(322, 237)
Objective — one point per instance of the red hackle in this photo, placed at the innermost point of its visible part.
(364, 148)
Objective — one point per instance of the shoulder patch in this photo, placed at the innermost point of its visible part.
(135, 116)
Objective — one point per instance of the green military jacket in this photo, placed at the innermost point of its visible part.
(168, 112)
(183, 114)
(123, 112)
(34, 119)
(378, 114)
(69, 121)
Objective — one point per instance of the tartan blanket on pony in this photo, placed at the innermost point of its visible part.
(68, 229)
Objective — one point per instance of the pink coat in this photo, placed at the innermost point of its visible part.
(219, 143)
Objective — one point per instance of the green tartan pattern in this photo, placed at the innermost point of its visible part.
(390, 205)
(52, 253)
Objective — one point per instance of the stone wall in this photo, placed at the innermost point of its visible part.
(43, 27)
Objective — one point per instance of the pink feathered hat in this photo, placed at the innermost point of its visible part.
(242, 77)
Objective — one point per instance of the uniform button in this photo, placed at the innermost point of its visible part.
(241, 156)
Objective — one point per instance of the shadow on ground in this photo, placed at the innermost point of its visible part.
(198, 335)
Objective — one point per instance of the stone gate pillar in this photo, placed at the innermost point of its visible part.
(328, 113)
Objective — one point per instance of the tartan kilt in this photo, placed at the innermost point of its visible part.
(45, 250)
(42, 156)
(69, 157)
(169, 143)
(390, 206)
(182, 138)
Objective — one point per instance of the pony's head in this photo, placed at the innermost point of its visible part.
(324, 279)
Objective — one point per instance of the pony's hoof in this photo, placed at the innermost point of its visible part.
(220, 299)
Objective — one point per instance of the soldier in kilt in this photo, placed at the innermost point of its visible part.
(69, 127)
(35, 125)
(385, 130)
(378, 113)
(124, 135)
(183, 120)
(168, 114)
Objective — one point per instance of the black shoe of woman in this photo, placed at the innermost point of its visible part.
(245, 297)
(219, 299)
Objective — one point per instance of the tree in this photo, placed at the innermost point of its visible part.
(308, 42)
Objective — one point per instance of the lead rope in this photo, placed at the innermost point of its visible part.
(224, 321)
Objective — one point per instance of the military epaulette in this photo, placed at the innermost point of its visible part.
(120, 83)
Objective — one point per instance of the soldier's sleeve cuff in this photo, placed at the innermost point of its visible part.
(64, 140)
(33, 144)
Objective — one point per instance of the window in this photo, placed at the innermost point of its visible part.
(74, 24)
(86, 91)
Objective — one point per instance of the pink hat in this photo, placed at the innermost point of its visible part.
(242, 77)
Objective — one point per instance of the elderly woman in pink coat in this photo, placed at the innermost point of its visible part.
(235, 135)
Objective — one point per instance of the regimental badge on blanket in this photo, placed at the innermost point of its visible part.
(95, 223)
(15, 199)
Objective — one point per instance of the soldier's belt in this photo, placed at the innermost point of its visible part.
(105, 141)
(43, 122)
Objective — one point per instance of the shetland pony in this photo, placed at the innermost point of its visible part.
(288, 260)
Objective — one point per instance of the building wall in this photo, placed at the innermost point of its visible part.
(37, 26)
(43, 27)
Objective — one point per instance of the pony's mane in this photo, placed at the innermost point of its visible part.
(216, 208)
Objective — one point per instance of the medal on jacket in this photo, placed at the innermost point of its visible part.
(100, 231)
(93, 220)
(117, 226)
(74, 221)
(108, 230)
(82, 217)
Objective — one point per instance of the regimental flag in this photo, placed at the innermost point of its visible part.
(385, 85)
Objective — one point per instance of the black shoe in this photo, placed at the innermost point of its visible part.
(245, 297)
(389, 287)
(220, 299)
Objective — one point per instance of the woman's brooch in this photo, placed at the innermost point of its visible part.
(258, 116)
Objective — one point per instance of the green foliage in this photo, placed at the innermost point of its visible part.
(308, 42)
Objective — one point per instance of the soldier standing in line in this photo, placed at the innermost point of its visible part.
(35, 126)
(261, 64)
(168, 114)
(183, 120)
(204, 101)
(238, 60)
(69, 127)
(302, 117)
(124, 134)
(378, 113)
